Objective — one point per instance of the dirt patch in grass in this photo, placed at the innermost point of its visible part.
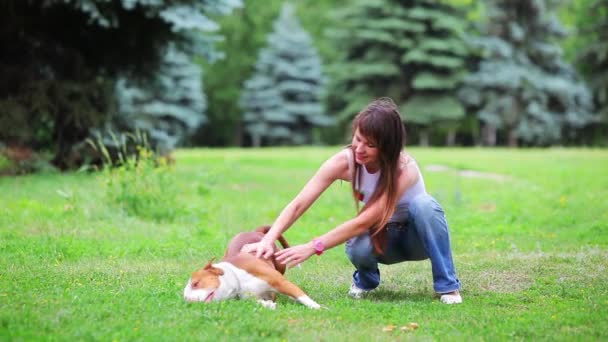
(503, 281)
(469, 173)
(517, 272)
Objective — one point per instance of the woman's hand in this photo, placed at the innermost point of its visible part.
(295, 255)
(263, 249)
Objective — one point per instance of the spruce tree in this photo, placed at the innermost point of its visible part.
(170, 104)
(411, 51)
(593, 57)
(66, 56)
(282, 100)
(522, 87)
(168, 108)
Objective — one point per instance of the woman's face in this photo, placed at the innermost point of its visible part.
(366, 151)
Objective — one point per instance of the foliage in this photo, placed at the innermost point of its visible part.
(532, 267)
(593, 57)
(522, 85)
(18, 160)
(5, 163)
(142, 183)
(169, 108)
(411, 51)
(282, 100)
(58, 80)
(246, 32)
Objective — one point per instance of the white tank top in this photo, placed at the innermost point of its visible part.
(369, 182)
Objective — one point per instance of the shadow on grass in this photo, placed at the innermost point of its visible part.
(384, 295)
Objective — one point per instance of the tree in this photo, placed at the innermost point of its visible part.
(411, 51)
(593, 57)
(522, 86)
(61, 78)
(168, 108)
(282, 100)
(245, 33)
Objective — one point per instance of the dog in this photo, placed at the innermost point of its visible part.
(241, 275)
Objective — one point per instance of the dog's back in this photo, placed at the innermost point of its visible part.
(242, 239)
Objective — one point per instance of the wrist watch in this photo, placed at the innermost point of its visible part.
(318, 246)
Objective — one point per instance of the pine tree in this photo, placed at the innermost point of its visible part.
(65, 57)
(593, 58)
(522, 86)
(167, 109)
(411, 51)
(170, 105)
(282, 100)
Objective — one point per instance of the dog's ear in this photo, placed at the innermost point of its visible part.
(208, 266)
(214, 270)
(217, 271)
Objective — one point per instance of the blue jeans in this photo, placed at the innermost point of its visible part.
(424, 235)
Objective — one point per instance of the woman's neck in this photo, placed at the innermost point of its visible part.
(371, 168)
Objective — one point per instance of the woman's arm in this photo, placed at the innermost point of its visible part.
(340, 234)
(336, 167)
(351, 228)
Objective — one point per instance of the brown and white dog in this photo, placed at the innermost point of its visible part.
(241, 274)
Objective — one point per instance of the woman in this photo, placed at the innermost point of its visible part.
(399, 220)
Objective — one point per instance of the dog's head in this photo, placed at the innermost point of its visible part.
(207, 284)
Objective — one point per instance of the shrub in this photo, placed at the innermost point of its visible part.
(19, 160)
(139, 181)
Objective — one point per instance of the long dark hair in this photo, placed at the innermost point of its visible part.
(380, 122)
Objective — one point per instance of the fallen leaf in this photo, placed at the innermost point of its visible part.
(388, 328)
(488, 207)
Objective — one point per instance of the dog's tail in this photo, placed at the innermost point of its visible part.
(266, 228)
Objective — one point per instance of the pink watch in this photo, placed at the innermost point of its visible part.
(318, 246)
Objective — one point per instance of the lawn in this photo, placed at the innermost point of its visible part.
(529, 234)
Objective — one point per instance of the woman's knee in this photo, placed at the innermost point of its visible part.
(425, 207)
(360, 251)
(424, 204)
(427, 214)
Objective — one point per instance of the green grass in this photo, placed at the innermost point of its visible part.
(530, 244)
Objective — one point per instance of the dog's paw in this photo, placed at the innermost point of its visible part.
(309, 302)
(268, 304)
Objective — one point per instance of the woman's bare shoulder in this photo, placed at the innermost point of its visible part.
(338, 164)
(409, 170)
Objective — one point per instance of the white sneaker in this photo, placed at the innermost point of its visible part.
(356, 292)
(451, 298)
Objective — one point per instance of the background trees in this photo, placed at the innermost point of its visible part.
(522, 86)
(592, 58)
(282, 100)
(65, 57)
(409, 50)
(246, 32)
(129, 64)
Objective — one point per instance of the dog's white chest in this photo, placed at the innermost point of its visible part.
(246, 284)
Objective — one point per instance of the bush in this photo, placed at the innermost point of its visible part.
(5, 164)
(18, 160)
(141, 183)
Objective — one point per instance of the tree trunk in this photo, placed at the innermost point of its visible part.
(238, 134)
(488, 135)
(424, 137)
(450, 138)
(66, 134)
(256, 140)
(512, 138)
